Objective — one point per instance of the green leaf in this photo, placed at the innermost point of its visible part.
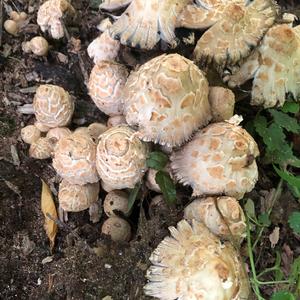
(166, 185)
(294, 221)
(291, 179)
(264, 219)
(295, 271)
(285, 121)
(290, 107)
(133, 195)
(260, 125)
(250, 209)
(157, 160)
(274, 137)
(295, 190)
(282, 295)
(283, 156)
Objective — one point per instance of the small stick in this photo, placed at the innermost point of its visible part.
(1, 21)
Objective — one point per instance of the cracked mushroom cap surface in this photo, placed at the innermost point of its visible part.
(49, 15)
(193, 264)
(219, 160)
(53, 106)
(167, 99)
(42, 148)
(75, 159)
(74, 197)
(121, 157)
(239, 30)
(30, 134)
(144, 23)
(106, 84)
(223, 216)
(274, 67)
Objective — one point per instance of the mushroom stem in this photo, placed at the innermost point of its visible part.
(26, 109)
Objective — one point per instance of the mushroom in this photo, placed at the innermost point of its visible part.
(106, 85)
(53, 106)
(30, 134)
(37, 45)
(223, 216)
(43, 148)
(219, 160)
(75, 198)
(121, 157)
(116, 200)
(58, 133)
(95, 130)
(75, 159)
(16, 22)
(194, 264)
(50, 15)
(116, 120)
(117, 229)
(167, 99)
(222, 103)
(274, 67)
(113, 4)
(151, 182)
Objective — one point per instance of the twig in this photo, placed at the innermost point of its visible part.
(1, 21)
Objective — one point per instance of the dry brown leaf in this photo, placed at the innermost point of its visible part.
(274, 236)
(48, 209)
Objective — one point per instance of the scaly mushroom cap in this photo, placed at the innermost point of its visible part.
(144, 23)
(95, 129)
(223, 216)
(116, 200)
(106, 86)
(42, 148)
(74, 197)
(194, 264)
(103, 48)
(222, 103)
(220, 159)
(53, 106)
(49, 15)
(75, 159)
(30, 134)
(239, 31)
(121, 157)
(113, 4)
(116, 120)
(167, 98)
(58, 133)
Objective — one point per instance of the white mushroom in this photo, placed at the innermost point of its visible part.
(37, 45)
(30, 134)
(117, 229)
(43, 148)
(116, 200)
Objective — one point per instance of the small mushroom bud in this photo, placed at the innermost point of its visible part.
(16, 21)
(116, 120)
(42, 148)
(222, 103)
(95, 129)
(11, 27)
(116, 201)
(82, 130)
(58, 133)
(38, 46)
(15, 16)
(30, 134)
(118, 229)
(41, 127)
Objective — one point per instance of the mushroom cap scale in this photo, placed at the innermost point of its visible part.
(219, 160)
(193, 264)
(167, 99)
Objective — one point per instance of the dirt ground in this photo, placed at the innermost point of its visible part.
(84, 264)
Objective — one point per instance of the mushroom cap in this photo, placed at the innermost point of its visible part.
(39, 46)
(223, 216)
(74, 197)
(42, 148)
(75, 159)
(58, 133)
(116, 200)
(151, 182)
(50, 13)
(220, 159)
(144, 23)
(103, 48)
(118, 229)
(95, 129)
(239, 31)
(222, 103)
(53, 106)
(121, 157)
(194, 264)
(30, 134)
(106, 84)
(11, 27)
(167, 99)
(113, 4)
(116, 120)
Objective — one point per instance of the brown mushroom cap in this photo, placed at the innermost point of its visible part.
(106, 85)
(53, 106)
(116, 200)
(49, 16)
(75, 159)
(220, 159)
(223, 216)
(167, 99)
(42, 148)
(121, 157)
(118, 229)
(194, 264)
(240, 30)
(74, 197)
(30, 134)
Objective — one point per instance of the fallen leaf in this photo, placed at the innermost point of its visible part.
(274, 237)
(48, 209)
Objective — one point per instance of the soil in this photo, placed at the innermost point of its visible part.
(84, 264)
